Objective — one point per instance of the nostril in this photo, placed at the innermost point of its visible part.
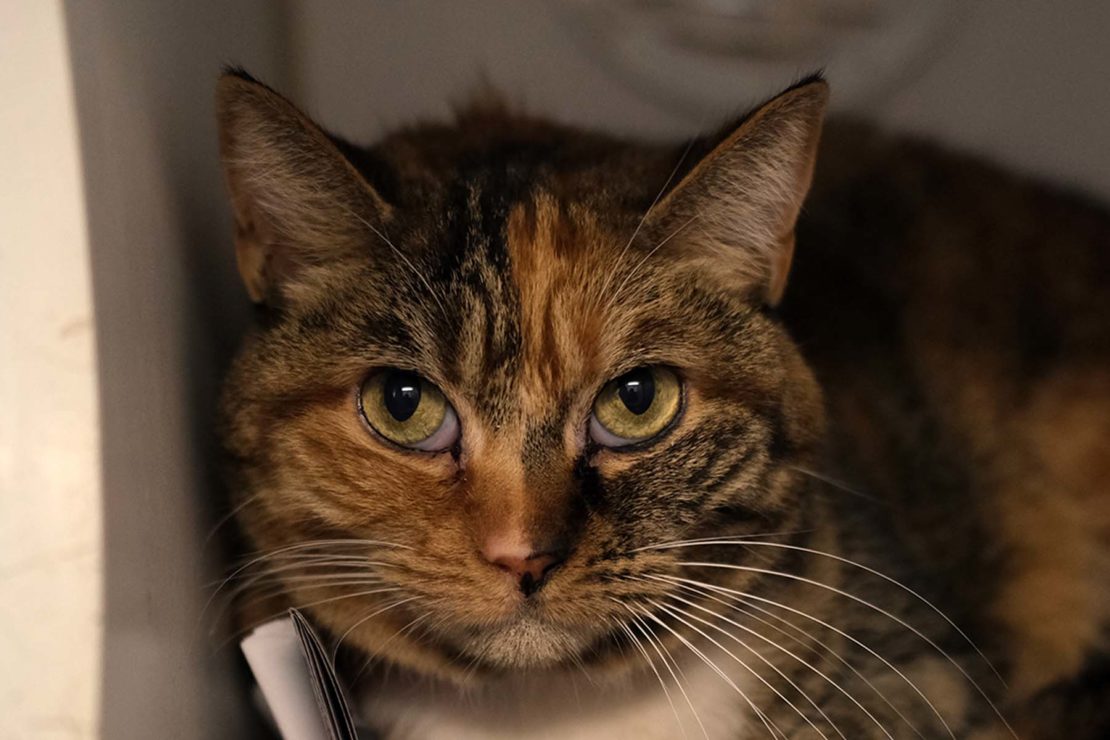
(511, 565)
(530, 572)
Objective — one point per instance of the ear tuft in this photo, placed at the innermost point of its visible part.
(234, 70)
(736, 209)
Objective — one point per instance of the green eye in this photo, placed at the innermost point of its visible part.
(408, 410)
(635, 407)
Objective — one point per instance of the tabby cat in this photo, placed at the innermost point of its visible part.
(535, 429)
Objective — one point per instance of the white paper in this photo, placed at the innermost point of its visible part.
(277, 660)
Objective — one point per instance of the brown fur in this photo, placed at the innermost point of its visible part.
(943, 344)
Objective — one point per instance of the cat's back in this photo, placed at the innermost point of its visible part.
(959, 320)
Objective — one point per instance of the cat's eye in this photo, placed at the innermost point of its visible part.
(635, 407)
(408, 410)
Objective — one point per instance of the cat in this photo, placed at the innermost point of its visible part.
(551, 434)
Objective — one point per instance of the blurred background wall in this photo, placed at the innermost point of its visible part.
(1022, 81)
(50, 496)
(112, 179)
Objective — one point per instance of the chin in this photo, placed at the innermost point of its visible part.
(527, 643)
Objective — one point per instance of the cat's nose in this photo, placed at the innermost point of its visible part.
(529, 570)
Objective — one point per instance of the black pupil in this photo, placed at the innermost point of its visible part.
(402, 395)
(637, 390)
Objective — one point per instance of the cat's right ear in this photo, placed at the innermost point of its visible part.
(298, 202)
(736, 209)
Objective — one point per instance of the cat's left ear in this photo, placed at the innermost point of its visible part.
(298, 203)
(736, 209)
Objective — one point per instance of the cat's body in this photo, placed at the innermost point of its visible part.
(964, 350)
(942, 420)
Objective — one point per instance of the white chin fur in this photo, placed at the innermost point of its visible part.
(527, 643)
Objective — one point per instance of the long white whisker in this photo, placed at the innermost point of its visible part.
(672, 544)
(307, 583)
(380, 648)
(310, 544)
(879, 574)
(351, 595)
(678, 614)
(746, 597)
(771, 726)
(796, 657)
(322, 561)
(332, 542)
(260, 622)
(672, 666)
(367, 618)
(880, 610)
(662, 684)
(746, 610)
(223, 520)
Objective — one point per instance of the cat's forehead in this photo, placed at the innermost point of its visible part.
(532, 295)
(561, 261)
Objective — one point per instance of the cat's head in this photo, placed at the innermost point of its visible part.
(500, 362)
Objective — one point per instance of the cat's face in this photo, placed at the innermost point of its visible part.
(486, 389)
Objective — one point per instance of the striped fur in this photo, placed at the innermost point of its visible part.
(519, 266)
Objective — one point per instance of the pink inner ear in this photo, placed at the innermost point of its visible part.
(780, 270)
(250, 256)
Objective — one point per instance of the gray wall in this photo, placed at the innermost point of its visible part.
(1023, 81)
(168, 309)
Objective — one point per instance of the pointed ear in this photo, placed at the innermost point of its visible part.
(737, 207)
(298, 202)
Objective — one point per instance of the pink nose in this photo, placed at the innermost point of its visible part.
(529, 572)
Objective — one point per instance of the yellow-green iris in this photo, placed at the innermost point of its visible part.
(403, 407)
(637, 406)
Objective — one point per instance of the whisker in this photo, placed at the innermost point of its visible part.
(315, 562)
(319, 544)
(665, 654)
(770, 725)
(796, 657)
(869, 604)
(380, 648)
(620, 288)
(408, 263)
(662, 684)
(349, 595)
(838, 484)
(746, 597)
(310, 583)
(746, 610)
(673, 544)
(364, 620)
(644, 218)
(879, 574)
(672, 665)
(223, 520)
(678, 614)
(234, 637)
(269, 582)
(307, 545)
(325, 579)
